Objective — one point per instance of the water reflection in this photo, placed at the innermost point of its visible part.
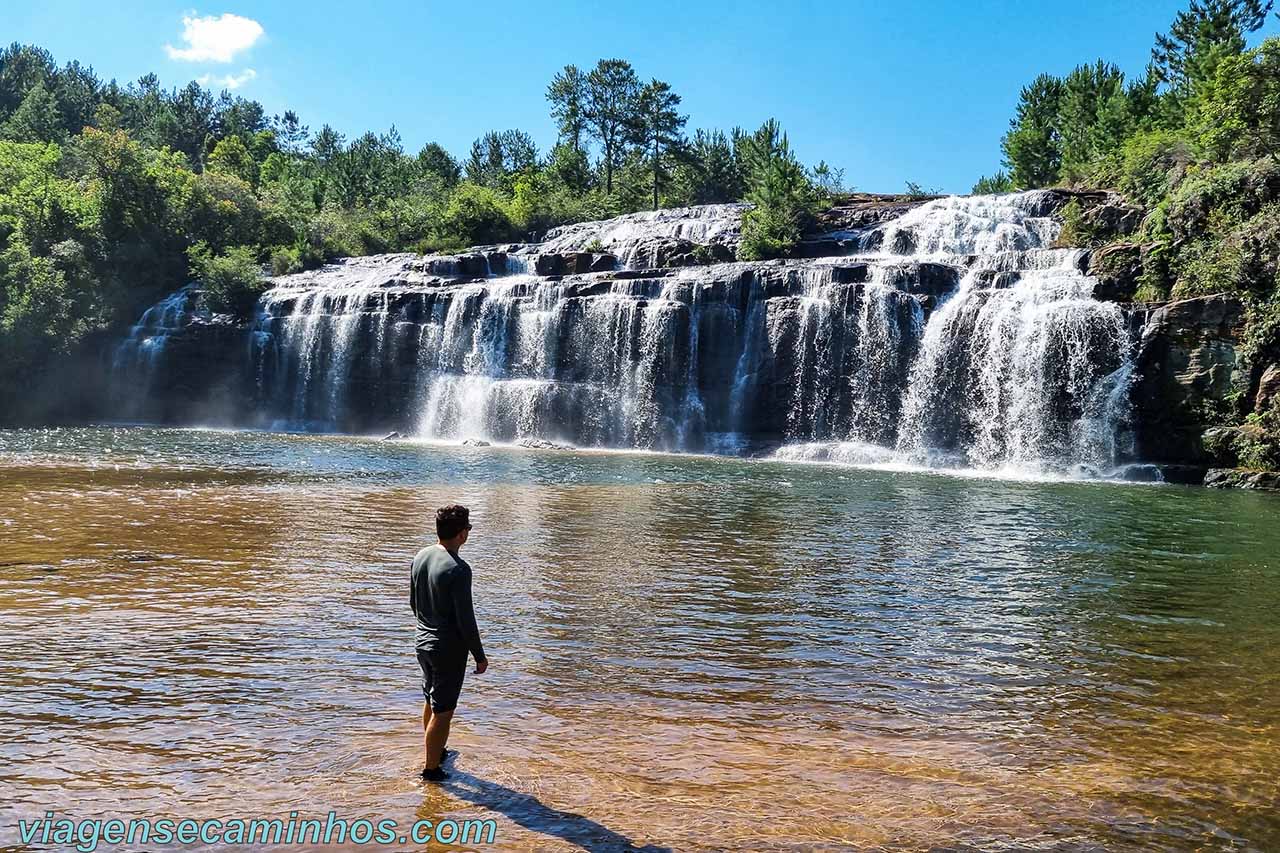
(688, 653)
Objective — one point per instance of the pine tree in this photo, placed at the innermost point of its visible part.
(1088, 93)
(1201, 35)
(1033, 145)
(612, 89)
(37, 118)
(568, 95)
(782, 197)
(656, 127)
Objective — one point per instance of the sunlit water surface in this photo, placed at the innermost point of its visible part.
(687, 653)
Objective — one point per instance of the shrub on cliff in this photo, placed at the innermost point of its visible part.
(232, 280)
(1147, 166)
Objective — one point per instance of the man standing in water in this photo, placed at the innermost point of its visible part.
(440, 595)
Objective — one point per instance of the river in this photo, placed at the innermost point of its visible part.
(688, 653)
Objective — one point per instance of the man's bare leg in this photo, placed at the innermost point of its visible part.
(437, 733)
(426, 723)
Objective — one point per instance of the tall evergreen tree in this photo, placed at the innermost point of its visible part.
(22, 67)
(37, 118)
(782, 197)
(291, 133)
(434, 160)
(612, 89)
(568, 96)
(1033, 145)
(708, 171)
(1088, 92)
(77, 90)
(1201, 35)
(498, 156)
(656, 128)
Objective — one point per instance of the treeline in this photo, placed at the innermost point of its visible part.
(1195, 143)
(112, 195)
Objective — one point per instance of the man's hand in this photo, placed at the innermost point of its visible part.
(482, 665)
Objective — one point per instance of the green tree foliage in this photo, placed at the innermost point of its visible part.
(708, 170)
(232, 157)
(22, 68)
(232, 280)
(828, 179)
(1238, 112)
(112, 195)
(612, 90)
(1000, 182)
(656, 127)
(498, 157)
(1090, 93)
(434, 160)
(567, 93)
(37, 118)
(477, 215)
(783, 197)
(290, 132)
(915, 190)
(1201, 36)
(1033, 145)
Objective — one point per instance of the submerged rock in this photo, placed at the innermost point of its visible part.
(542, 444)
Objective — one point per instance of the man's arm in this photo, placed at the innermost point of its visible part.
(460, 589)
(413, 591)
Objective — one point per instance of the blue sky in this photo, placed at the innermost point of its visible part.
(891, 92)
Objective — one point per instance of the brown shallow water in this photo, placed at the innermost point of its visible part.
(688, 654)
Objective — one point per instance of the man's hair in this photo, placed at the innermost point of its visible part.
(452, 520)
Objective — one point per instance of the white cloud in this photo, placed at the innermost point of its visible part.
(230, 81)
(215, 39)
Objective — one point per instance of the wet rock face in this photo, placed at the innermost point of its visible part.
(658, 238)
(571, 263)
(1103, 213)
(1268, 393)
(861, 211)
(1117, 268)
(1239, 478)
(1187, 363)
(959, 335)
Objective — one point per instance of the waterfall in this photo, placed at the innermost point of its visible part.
(1031, 376)
(137, 359)
(955, 335)
(144, 345)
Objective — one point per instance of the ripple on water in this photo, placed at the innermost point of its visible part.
(688, 653)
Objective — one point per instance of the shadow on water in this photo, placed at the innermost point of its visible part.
(528, 811)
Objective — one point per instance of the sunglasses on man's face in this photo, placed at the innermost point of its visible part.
(468, 526)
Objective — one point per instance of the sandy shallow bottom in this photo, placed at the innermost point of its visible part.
(688, 654)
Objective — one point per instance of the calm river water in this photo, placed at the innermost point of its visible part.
(687, 653)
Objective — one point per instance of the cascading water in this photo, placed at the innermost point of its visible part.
(954, 336)
(140, 355)
(1032, 375)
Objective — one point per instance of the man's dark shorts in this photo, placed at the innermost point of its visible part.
(442, 674)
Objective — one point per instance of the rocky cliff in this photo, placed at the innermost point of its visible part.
(643, 331)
